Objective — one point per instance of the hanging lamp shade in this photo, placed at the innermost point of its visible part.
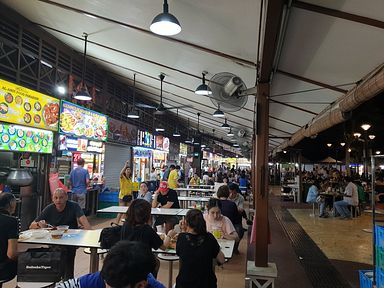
(176, 133)
(165, 24)
(218, 113)
(230, 133)
(133, 114)
(225, 125)
(203, 89)
(83, 94)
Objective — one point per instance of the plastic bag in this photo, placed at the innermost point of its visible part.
(54, 183)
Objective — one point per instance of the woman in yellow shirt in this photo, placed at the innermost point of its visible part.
(126, 188)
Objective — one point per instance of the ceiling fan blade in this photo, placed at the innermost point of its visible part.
(179, 107)
(142, 105)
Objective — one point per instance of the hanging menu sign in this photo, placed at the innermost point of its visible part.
(80, 122)
(162, 143)
(146, 139)
(27, 107)
(122, 132)
(67, 143)
(25, 139)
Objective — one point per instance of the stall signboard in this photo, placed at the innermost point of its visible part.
(119, 131)
(82, 123)
(183, 149)
(146, 139)
(27, 107)
(159, 155)
(25, 139)
(67, 143)
(142, 153)
(162, 143)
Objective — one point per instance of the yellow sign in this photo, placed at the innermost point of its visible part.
(27, 107)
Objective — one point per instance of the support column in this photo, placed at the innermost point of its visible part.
(260, 148)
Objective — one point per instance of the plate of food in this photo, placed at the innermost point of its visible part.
(8, 98)
(27, 106)
(67, 122)
(25, 235)
(20, 133)
(11, 130)
(37, 106)
(51, 114)
(3, 108)
(22, 143)
(27, 118)
(19, 100)
(12, 145)
(5, 138)
(79, 129)
(37, 119)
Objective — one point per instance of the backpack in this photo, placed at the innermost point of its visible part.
(110, 236)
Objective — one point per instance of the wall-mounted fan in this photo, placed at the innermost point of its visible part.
(160, 109)
(226, 89)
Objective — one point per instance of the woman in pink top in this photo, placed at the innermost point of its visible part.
(217, 222)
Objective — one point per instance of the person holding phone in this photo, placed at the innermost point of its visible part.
(126, 188)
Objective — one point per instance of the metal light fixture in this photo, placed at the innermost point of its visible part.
(218, 113)
(378, 152)
(165, 24)
(188, 140)
(176, 133)
(349, 150)
(342, 144)
(357, 135)
(284, 151)
(230, 133)
(366, 127)
(203, 89)
(134, 114)
(159, 128)
(225, 125)
(371, 137)
(235, 145)
(83, 94)
(329, 144)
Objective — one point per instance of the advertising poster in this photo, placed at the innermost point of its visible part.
(146, 139)
(25, 139)
(119, 131)
(27, 107)
(82, 123)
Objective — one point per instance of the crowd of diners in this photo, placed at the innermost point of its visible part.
(131, 263)
(346, 192)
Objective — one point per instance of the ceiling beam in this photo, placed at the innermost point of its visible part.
(280, 130)
(314, 82)
(148, 32)
(293, 107)
(339, 14)
(278, 137)
(285, 121)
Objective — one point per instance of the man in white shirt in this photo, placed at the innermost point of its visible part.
(351, 197)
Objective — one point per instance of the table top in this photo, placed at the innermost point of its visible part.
(183, 212)
(226, 246)
(73, 237)
(201, 185)
(191, 198)
(195, 189)
(154, 211)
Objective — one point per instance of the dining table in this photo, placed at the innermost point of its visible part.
(72, 237)
(154, 211)
(200, 191)
(185, 200)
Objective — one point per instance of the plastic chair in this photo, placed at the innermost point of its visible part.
(170, 259)
(99, 251)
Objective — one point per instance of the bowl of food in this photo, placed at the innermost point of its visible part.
(63, 228)
(57, 234)
(39, 234)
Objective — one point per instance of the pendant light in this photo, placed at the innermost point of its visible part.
(196, 140)
(176, 133)
(165, 24)
(230, 133)
(188, 140)
(83, 94)
(203, 88)
(225, 125)
(133, 113)
(218, 113)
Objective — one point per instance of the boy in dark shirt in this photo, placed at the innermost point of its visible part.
(166, 198)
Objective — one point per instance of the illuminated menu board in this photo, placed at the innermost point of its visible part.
(146, 139)
(25, 139)
(82, 123)
(27, 107)
(67, 143)
(162, 143)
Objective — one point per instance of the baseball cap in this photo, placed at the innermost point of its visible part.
(163, 186)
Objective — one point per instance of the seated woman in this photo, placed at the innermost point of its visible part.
(8, 236)
(313, 197)
(196, 249)
(144, 193)
(137, 228)
(217, 222)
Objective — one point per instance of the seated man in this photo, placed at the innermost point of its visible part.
(63, 212)
(166, 198)
(238, 199)
(350, 197)
(128, 264)
(313, 197)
